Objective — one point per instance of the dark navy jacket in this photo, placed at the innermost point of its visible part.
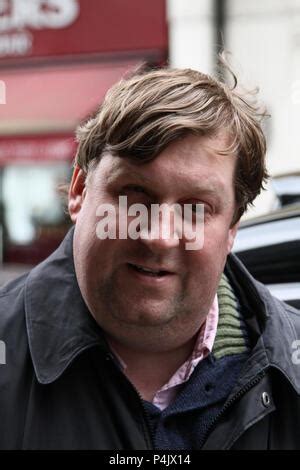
(61, 389)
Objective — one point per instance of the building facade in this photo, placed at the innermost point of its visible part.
(57, 60)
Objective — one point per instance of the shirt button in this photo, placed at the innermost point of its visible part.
(266, 399)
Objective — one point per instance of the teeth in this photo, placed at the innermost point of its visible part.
(147, 270)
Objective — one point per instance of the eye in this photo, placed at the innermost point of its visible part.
(137, 189)
(134, 188)
(199, 209)
(136, 194)
(196, 206)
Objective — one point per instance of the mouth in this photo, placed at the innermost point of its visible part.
(156, 273)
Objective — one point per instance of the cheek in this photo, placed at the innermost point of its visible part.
(95, 264)
(87, 216)
(90, 215)
(211, 258)
(216, 238)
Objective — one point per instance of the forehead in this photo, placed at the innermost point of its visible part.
(192, 159)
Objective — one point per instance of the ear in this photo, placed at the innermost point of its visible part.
(231, 236)
(77, 193)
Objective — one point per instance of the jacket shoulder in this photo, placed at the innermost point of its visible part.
(291, 313)
(12, 299)
(11, 286)
(15, 364)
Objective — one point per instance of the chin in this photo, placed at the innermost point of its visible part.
(144, 316)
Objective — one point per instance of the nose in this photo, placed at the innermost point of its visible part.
(160, 235)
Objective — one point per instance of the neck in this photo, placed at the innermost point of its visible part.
(149, 371)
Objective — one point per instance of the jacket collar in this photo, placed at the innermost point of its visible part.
(59, 324)
(275, 324)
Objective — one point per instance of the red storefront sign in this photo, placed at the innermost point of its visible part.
(57, 60)
(43, 148)
(55, 28)
(55, 99)
(85, 46)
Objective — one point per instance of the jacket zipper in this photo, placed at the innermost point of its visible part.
(229, 403)
(146, 419)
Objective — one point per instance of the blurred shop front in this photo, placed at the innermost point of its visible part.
(57, 60)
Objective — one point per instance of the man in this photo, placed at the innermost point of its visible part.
(134, 341)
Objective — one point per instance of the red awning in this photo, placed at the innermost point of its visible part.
(52, 101)
(45, 148)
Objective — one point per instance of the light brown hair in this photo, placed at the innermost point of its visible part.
(143, 113)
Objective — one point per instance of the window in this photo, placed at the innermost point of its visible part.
(32, 207)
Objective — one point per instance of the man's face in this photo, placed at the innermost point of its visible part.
(148, 311)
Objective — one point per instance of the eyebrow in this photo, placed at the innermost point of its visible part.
(121, 174)
(213, 189)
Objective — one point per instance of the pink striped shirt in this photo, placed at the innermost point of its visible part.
(203, 346)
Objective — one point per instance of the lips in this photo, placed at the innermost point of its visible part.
(149, 271)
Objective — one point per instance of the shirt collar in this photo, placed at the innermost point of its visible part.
(203, 346)
(59, 324)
